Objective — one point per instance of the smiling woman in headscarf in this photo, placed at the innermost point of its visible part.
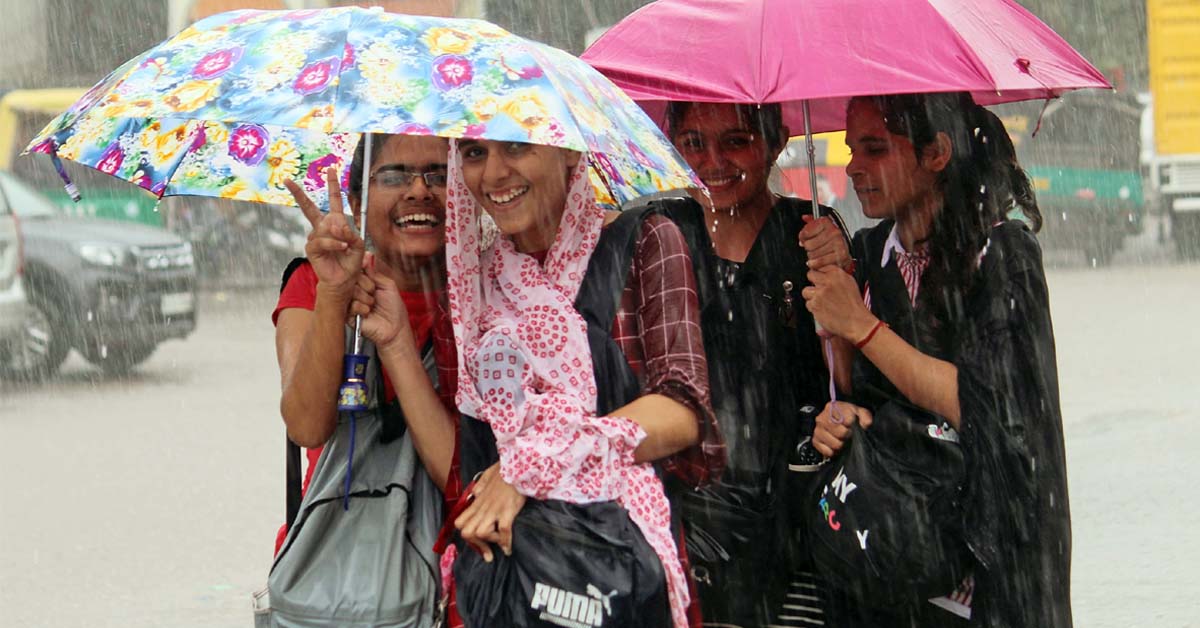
(526, 365)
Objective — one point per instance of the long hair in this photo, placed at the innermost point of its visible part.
(981, 184)
(766, 119)
(357, 162)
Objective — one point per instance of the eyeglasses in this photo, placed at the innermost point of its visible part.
(395, 178)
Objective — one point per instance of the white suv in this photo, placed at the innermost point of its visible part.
(14, 309)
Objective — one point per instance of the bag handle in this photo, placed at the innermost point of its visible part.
(446, 534)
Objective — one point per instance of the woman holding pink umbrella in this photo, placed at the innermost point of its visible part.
(950, 316)
(751, 250)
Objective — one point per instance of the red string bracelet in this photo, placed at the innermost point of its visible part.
(871, 334)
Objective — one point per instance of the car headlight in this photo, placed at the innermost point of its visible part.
(100, 254)
(186, 259)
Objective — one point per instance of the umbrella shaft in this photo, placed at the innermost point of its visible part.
(362, 223)
(812, 159)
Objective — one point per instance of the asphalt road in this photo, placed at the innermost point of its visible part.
(153, 500)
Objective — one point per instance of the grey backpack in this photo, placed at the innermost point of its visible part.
(360, 558)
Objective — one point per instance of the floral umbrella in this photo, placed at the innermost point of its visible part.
(238, 102)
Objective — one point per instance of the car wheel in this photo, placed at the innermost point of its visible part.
(1185, 228)
(118, 359)
(42, 347)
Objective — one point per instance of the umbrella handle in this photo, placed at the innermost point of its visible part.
(352, 396)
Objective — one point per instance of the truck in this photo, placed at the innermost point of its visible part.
(1082, 154)
(1173, 30)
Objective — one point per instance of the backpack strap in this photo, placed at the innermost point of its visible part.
(598, 300)
(600, 293)
(292, 459)
(392, 416)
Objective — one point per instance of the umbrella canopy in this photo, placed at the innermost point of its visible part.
(239, 102)
(827, 51)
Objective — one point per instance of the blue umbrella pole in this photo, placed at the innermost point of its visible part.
(352, 396)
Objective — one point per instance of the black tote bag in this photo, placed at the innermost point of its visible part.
(883, 515)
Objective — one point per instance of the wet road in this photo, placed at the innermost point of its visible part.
(153, 500)
(146, 501)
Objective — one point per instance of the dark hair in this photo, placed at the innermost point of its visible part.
(768, 119)
(1020, 189)
(981, 184)
(356, 164)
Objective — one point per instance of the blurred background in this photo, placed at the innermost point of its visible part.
(142, 479)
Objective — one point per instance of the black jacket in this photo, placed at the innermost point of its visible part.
(1016, 515)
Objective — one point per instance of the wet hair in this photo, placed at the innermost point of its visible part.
(980, 185)
(766, 119)
(356, 164)
(1020, 188)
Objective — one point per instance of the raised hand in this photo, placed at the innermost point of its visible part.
(384, 317)
(334, 248)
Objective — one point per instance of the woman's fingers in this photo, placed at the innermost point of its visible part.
(865, 418)
(469, 524)
(363, 298)
(489, 519)
(310, 209)
(335, 191)
(366, 283)
(382, 281)
(827, 256)
(826, 445)
(824, 243)
(356, 310)
(325, 244)
(816, 232)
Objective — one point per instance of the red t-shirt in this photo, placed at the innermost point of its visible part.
(424, 312)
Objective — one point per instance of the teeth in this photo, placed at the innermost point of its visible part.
(412, 218)
(508, 196)
(722, 181)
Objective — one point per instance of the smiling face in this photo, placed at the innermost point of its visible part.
(888, 177)
(407, 221)
(523, 187)
(731, 157)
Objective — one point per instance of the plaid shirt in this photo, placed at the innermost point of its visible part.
(658, 328)
(912, 266)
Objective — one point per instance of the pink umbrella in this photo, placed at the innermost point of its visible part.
(817, 54)
(827, 51)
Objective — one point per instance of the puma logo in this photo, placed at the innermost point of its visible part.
(572, 610)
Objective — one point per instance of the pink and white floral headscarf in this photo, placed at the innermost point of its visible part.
(525, 367)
